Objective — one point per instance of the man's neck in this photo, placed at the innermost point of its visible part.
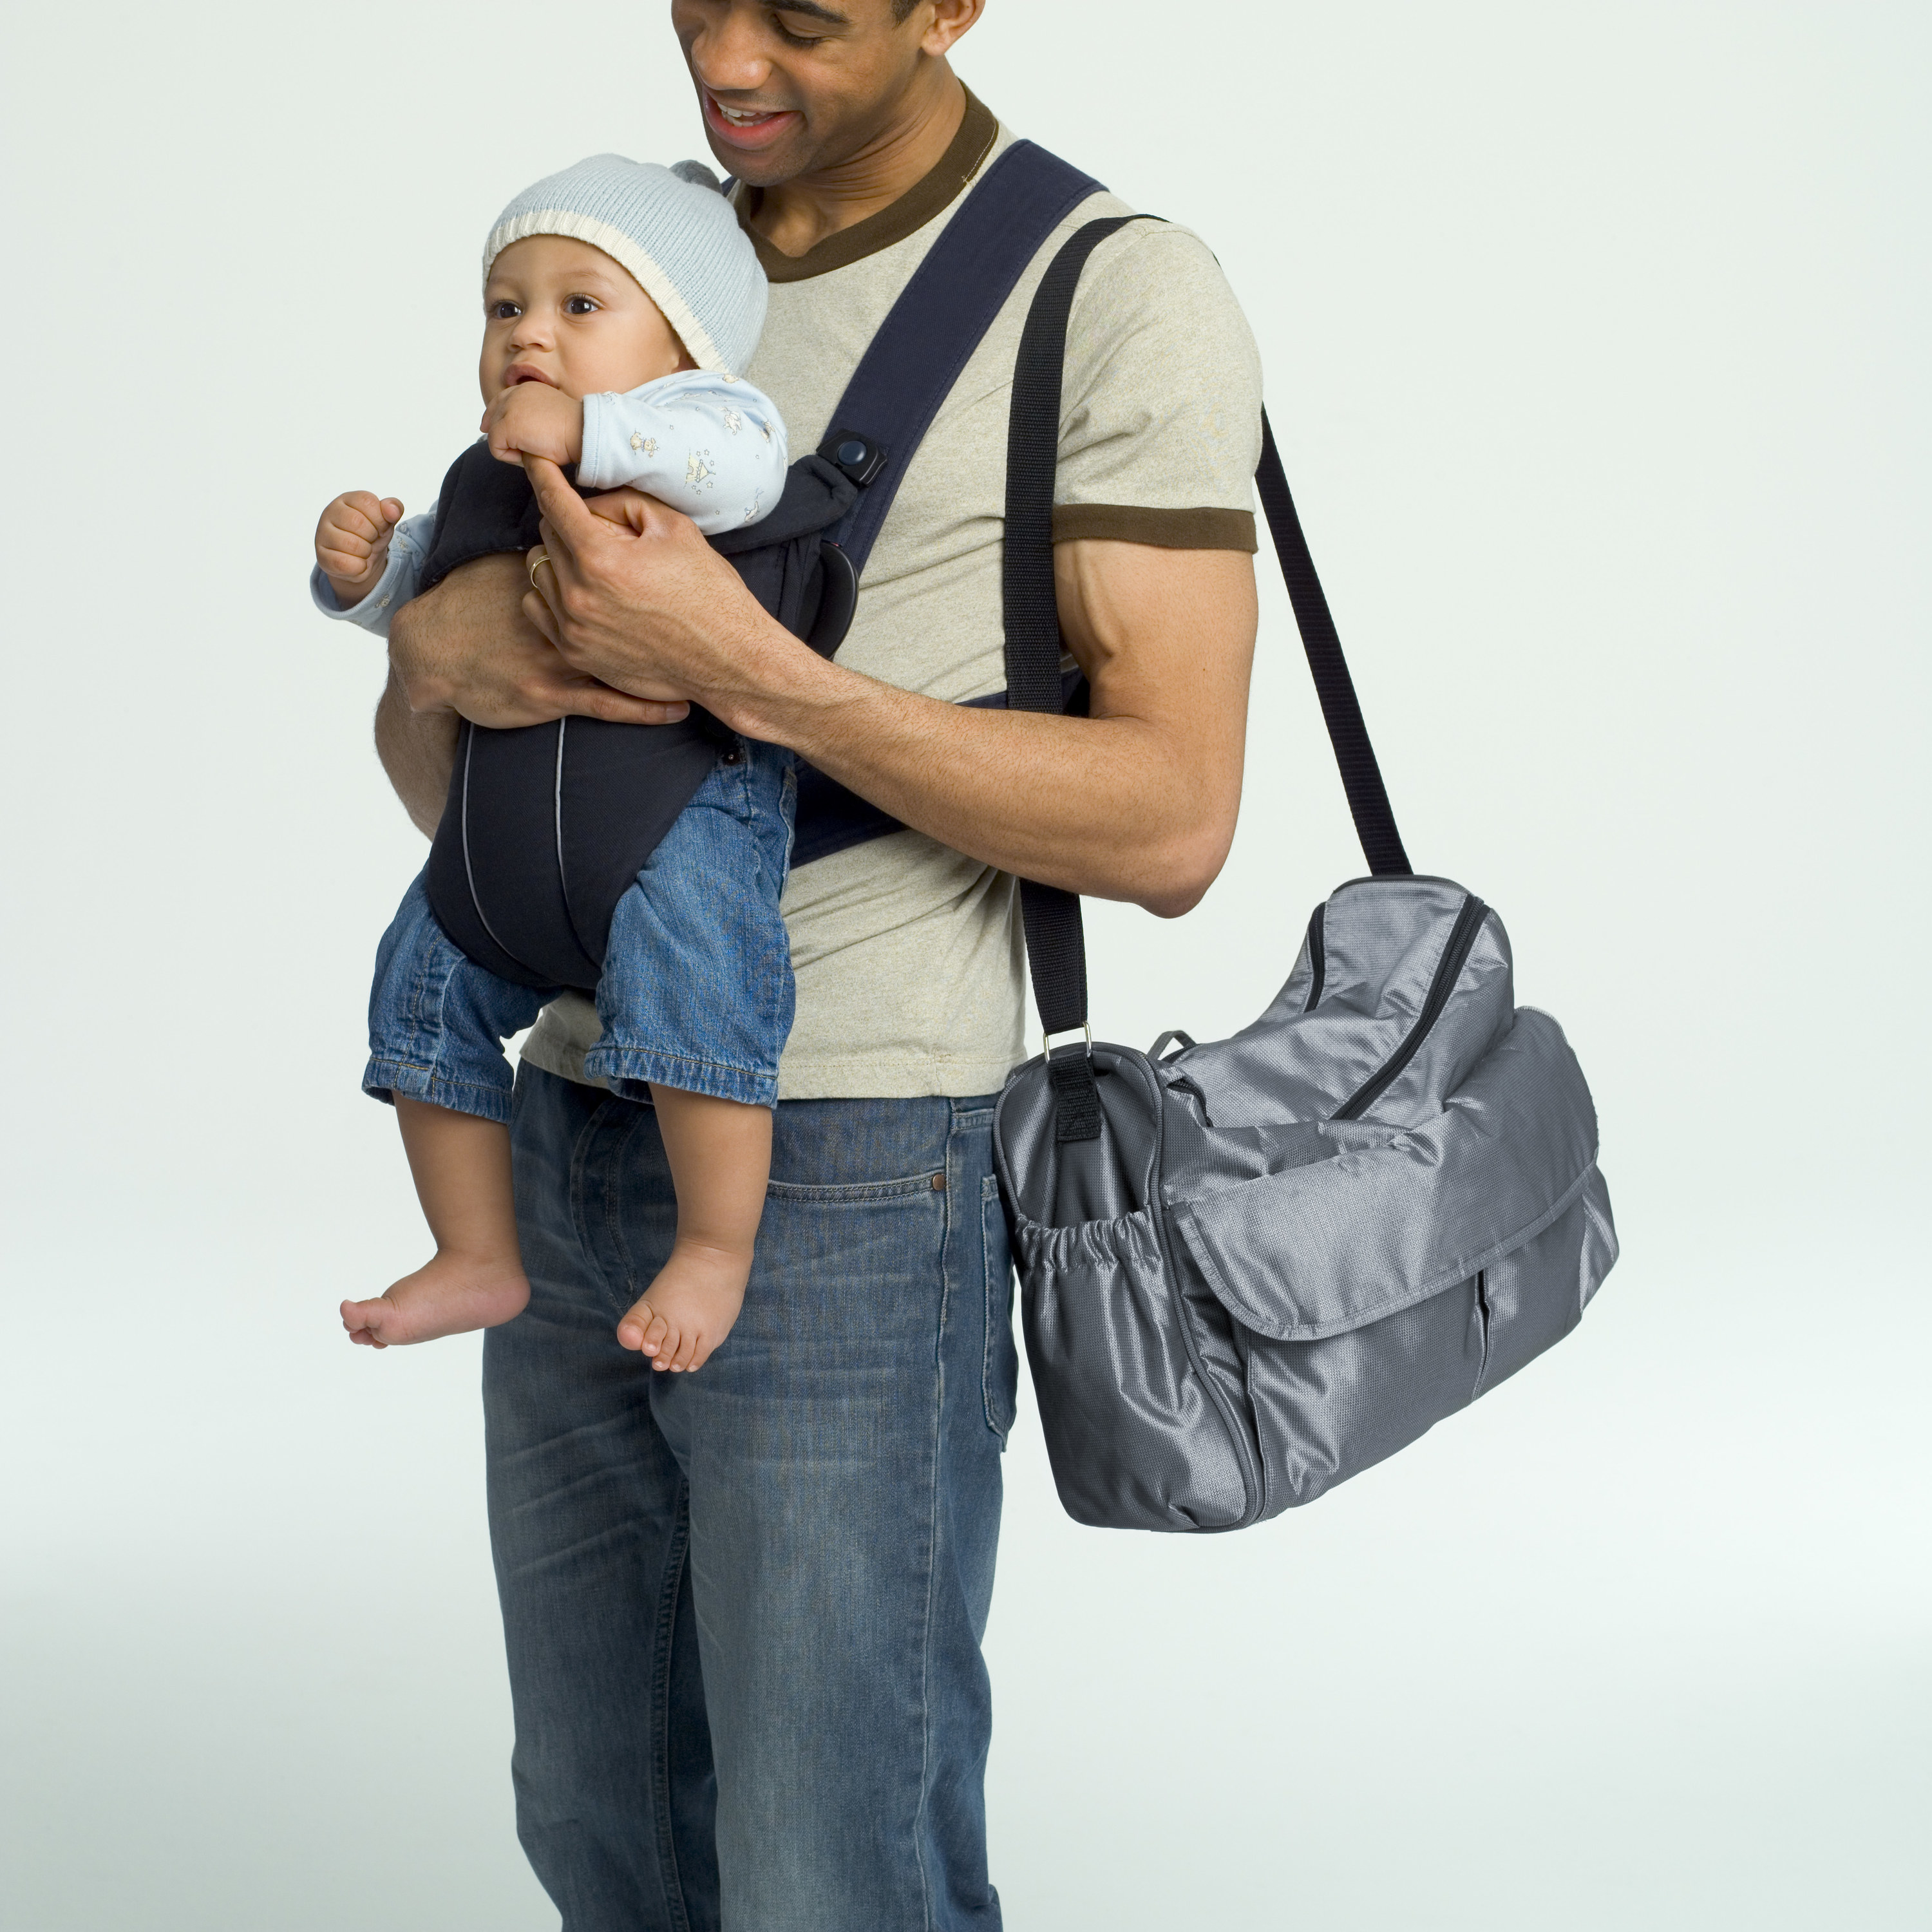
(795, 216)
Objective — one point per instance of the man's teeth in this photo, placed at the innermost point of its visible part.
(743, 117)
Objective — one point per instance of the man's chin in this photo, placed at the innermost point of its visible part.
(760, 170)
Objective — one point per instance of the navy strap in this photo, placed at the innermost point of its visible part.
(941, 316)
(904, 376)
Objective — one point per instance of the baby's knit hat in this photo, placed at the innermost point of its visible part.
(672, 229)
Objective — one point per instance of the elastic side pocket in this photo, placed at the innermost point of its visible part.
(1135, 1439)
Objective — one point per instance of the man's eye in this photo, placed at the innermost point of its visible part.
(579, 305)
(791, 39)
(504, 311)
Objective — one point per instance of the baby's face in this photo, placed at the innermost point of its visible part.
(559, 311)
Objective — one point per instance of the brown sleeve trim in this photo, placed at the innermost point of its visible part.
(1166, 529)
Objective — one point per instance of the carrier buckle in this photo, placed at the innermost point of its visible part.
(855, 456)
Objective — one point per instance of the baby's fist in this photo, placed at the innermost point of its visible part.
(533, 419)
(352, 542)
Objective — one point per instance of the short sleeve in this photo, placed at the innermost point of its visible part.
(1160, 419)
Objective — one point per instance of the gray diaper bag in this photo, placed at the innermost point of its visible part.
(1251, 1268)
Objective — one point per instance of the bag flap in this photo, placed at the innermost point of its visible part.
(1396, 1215)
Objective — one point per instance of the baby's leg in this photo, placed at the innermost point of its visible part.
(461, 1166)
(721, 1157)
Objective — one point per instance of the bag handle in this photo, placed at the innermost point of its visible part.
(1056, 948)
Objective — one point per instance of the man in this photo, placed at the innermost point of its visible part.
(743, 1608)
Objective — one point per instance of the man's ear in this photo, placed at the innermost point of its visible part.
(950, 19)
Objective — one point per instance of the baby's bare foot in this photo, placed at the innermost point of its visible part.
(684, 1314)
(453, 1294)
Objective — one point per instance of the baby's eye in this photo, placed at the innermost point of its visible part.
(579, 305)
(504, 311)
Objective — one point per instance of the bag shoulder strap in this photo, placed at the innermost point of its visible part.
(1056, 951)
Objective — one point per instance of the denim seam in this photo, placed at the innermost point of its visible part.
(989, 1198)
(661, 1714)
(438, 1035)
(613, 1199)
(947, 1260)
(581, 1182)
(854, 1193)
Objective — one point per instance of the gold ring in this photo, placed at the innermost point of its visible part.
(538, 558)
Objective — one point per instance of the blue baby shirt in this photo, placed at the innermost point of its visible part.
(710, 445)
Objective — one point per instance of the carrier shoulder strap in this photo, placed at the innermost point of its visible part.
(940, 316)
(903, 378)
(1056, 950)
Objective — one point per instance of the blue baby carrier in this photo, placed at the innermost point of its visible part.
(546, 826)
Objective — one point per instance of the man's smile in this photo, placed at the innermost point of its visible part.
(747, 125)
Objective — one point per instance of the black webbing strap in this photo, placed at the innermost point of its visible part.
(1056, 949)
(1056, 946)
(1361, 776)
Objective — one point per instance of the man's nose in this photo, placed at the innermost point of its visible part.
(728, 53)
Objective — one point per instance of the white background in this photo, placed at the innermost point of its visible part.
(1596, 339)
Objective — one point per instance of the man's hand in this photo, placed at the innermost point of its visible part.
(467, 647)
(638, 599)
(533, 419)
(352, 543)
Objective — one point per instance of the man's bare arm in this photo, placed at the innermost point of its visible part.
(417, 749)
(1136, 802)
(466, 650)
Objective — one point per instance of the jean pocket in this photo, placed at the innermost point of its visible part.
(1000, 1373)
(861, 1193)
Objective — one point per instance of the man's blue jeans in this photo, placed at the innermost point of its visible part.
(743, 1607)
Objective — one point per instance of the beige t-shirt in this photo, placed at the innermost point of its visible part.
(909, 956)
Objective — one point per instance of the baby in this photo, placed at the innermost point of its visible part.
(619, 299)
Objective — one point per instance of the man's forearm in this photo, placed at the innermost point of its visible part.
(1096, 805)
(417, 749)
(1136, 802)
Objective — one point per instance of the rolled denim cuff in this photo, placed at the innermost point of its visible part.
(384, 1079)
(631, 1072)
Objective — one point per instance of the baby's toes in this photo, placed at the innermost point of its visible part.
(660, 1341)
(643, 1329)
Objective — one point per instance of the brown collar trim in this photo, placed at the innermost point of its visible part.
(936, 189)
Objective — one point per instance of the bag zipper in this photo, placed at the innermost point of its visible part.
(1448, 970)
(1317, 959)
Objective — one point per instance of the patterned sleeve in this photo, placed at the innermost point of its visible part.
(711, 447)
(1160, 425)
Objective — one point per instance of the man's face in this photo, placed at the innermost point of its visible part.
(786, 90)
